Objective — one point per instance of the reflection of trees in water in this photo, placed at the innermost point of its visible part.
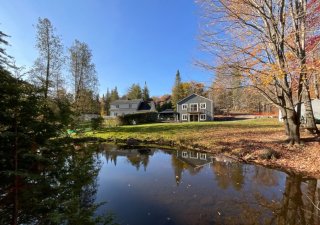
(265, 177)
(139, 160)
(60, 188)
(296, 206)
(136, 157)
(229, 174)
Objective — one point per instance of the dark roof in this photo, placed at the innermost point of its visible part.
(147, 106)
(132, 101)
(168, 111)
(192, 95)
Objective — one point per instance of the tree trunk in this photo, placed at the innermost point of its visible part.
(293, 126)
(15, 165)
(285, 120)
(310, 123)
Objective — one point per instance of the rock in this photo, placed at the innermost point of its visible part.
(267, 154)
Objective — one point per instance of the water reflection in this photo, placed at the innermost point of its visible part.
(67, 184)
(56, 186)
(151, 186)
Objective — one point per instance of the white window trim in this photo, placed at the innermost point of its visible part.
(184, 117)
(205, 105)
(184, 154)
(193, 157)
(203, 156)
(196, 105)
(184, 106)
(205, 116)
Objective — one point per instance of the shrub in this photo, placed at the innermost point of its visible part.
(96, 123)
(138, 118)
(111, 122)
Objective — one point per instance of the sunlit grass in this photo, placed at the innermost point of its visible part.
(205, 134)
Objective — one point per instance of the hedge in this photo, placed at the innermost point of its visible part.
(138, 118)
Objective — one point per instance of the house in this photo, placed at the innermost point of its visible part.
(195, 108)
(123, 107)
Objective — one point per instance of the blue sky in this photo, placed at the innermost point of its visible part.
(132, 41)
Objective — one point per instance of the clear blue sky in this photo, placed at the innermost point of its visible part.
(132, 41)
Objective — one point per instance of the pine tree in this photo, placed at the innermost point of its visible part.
(177, 90)
(134, 92)
(4, 57)
(145, 92)
(107, 100)
(114, 94)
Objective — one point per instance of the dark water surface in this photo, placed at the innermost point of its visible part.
(184, 187)
(90, 184)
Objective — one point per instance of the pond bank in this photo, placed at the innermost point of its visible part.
(254, 141)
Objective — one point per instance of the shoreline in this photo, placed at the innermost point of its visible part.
(270, 158)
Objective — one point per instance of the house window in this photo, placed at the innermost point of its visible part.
(184, 154)
(193, 155)
(184, 106)
(184, 117)
(203, 105)
(203, 156)
(115, 114)
(203, 116)
(117, 106)
(129, 106)
(193, 107)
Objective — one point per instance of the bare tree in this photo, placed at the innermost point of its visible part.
(47, 69)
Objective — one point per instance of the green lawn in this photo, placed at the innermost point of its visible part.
(203, 134)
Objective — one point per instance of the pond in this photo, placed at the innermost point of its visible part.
(90, 184)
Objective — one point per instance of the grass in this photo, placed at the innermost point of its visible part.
(205, 135)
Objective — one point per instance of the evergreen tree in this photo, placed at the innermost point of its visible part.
(145, 92)
(134, 92)
(4, 57)
(114, 95)
(107, 100)
(177, 90)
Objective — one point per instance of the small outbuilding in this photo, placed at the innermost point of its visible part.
(316, 110)
(315, 107)
(168, 114)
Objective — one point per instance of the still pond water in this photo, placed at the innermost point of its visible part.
(153, 186)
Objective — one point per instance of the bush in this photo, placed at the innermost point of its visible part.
(138, 118)
(96, 123)
(111, 122)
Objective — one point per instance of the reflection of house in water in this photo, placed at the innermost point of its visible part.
(190, 161)
(194, 159)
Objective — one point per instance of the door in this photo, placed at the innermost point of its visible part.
(194, 118)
